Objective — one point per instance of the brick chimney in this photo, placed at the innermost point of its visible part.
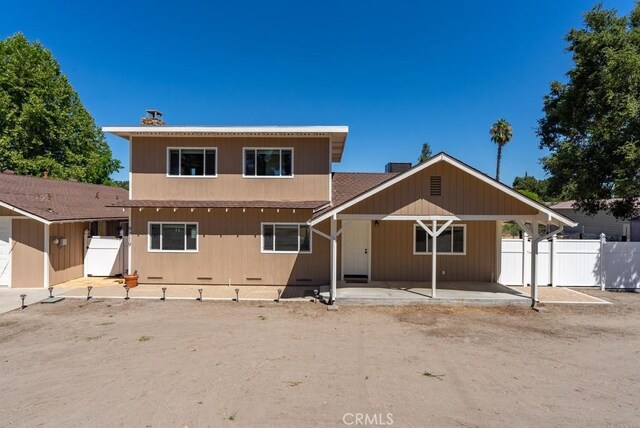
(153, 118)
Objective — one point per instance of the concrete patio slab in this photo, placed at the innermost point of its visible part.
(561, 295)
(395, 293)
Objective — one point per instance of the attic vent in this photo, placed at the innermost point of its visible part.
(435, 185)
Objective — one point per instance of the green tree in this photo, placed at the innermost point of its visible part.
(591, 123)
(425, 153)
(529, 183)
(501, 134)
(43, 124)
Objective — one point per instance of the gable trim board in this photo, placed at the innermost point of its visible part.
(443, 157)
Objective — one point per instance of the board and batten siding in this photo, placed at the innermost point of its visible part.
(229, 250)
(392, 257)
(27, 255)
(310, 181)
(67, 261)
(462, 194)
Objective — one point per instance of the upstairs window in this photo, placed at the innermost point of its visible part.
(452, 240)
(268, 162)
(192, 162)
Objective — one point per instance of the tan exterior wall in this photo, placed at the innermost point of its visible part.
(392, 257)
(228, 250)
(66, 262)
(311, 169)
(461, 194)
(7, 212)
(27, 268)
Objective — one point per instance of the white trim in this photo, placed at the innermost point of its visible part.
(324, 235)
(442, 157)
(330, 196)
(24, 213)
(244, 149)
(130, 245)
(438, 233)
(204, 162)
(462, 217)
(241, 131)
(274, 224)
(88, 220)
(130, 166)
(9, 266)
(45, 257)
(185, 223)
(498, 252)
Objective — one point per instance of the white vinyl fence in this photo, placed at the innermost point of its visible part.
(572, 262)
(105, 256)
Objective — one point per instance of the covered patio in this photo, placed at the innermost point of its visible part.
(431, 232)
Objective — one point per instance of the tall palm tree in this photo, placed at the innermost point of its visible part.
(501, 133)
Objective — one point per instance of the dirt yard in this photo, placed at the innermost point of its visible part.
(111, 363)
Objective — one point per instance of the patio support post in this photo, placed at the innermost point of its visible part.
(535, 235)
(434, 267)
(334, 259)
(434, 233)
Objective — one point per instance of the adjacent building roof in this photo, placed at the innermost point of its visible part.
(337, 134)
(51, 201)
(569, 204)
(138, 203)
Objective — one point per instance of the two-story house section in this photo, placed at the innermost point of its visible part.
(260, 206)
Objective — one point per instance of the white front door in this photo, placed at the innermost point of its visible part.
(356, 239)
(5, 251)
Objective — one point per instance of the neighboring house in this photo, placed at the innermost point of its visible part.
(590, 227)
(260, 205)
(43, 223)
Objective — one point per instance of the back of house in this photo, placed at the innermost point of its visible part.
(261, 206)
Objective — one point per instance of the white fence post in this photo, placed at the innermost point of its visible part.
(603, 240)
(84, 252)
(553, 276)
(524, 259)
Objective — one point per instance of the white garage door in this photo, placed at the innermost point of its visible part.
(5, 248)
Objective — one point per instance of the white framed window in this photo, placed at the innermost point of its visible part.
(267, 162)
(286, 238)
(192, 162)
(173, 237)
(452, 240)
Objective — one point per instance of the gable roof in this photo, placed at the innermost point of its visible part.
(338, 205)
(337, 134)
(50, 201)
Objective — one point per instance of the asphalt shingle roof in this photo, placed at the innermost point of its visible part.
(348, 185)
(60, 200)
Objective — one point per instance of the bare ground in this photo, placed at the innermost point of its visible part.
(110, 363)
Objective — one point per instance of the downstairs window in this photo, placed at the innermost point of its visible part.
(286, 238)
(172, 237)
(452, 240)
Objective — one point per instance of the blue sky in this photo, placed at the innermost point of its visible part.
(398, 73)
